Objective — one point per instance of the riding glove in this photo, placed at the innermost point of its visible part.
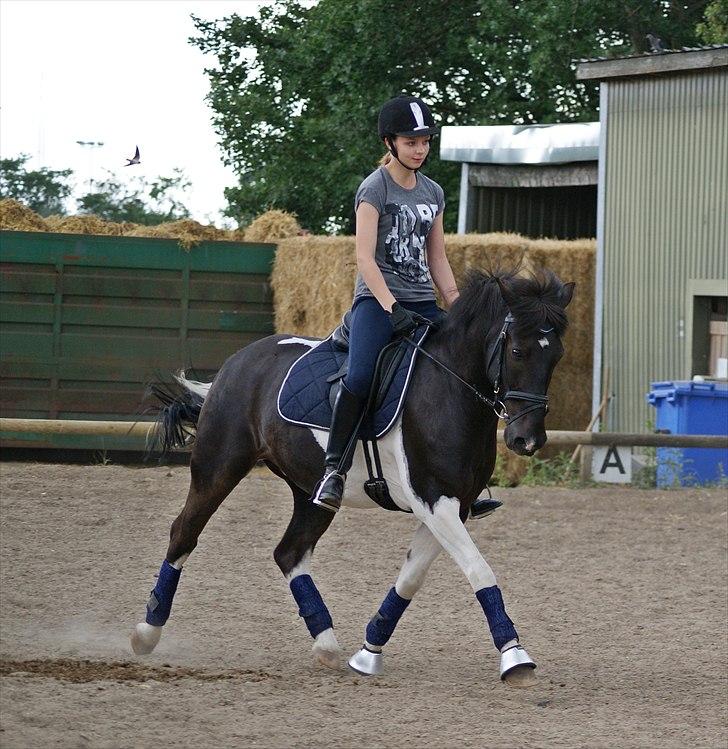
(403, 321)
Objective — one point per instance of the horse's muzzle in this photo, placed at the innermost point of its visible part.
(525, 445)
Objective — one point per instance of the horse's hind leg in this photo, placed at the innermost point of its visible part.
(210, 483)
(422, 553)
(293, 557)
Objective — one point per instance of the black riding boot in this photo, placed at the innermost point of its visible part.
(339, 454)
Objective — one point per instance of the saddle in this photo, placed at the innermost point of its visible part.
(309, 389)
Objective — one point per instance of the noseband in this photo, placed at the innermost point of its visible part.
(497, 358)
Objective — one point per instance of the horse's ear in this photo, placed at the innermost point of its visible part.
(506, 292)
(567, 292)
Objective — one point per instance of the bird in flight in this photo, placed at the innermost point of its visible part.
(135, 160)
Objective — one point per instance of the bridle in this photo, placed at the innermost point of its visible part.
(497, 357)
(496, 361)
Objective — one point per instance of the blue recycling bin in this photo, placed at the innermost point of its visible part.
(687, 407)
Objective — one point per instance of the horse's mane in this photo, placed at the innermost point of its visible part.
(534, 301)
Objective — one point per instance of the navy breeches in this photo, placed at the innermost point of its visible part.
(369, 333)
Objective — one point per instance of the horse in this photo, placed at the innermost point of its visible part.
(491, 357)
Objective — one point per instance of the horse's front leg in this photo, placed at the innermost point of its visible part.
(421, 554)
(443, 519)
(293, 557)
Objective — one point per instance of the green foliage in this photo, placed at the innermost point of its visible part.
(43, 191)
(555, 471)
(713, 29)
(645, 477)
(296, 92)
(499, 477)
(139, 202)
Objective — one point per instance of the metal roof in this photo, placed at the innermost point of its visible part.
(678, 61)
(652, 54)
(520, 144)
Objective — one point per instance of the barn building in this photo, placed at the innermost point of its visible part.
(534, 180)
(662, 224)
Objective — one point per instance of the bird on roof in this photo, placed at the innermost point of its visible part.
(135, 160)
(656, 45)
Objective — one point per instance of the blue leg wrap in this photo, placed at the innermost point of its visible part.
(501, 627)
(311, 606)
(382, 624)
(160, 601)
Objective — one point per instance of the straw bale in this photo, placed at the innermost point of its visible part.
(312, 282)
(188, 232)
(86, 224)
(52, 222)
(18, 217)
(272, 226)
(14, 215)
(571, 388)
(237, 235)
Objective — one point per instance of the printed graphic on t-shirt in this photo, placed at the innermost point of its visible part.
(404, 246)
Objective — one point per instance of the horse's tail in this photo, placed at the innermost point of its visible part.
(178, 409)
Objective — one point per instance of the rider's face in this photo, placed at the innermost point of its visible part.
(412, 151)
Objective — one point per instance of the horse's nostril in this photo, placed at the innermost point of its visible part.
(519, 443)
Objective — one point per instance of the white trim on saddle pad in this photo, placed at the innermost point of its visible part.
(397, 410)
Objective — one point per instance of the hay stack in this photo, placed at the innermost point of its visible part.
(272, 226)
(186, 231)
(17, 217)
(237, 235)
(312, 282)
(87, 224)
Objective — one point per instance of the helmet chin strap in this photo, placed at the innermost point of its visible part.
(393, 151)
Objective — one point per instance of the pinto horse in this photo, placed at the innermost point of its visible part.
(493, 356)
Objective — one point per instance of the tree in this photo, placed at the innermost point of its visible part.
(43, 191)
(113, 200)
(713, 29)
(297, 120)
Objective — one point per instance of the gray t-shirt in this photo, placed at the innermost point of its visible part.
(405, 220)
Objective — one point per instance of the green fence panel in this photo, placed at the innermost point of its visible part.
(87, 321)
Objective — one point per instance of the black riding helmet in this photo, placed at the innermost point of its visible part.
(406, 116)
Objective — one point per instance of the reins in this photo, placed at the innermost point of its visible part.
(490, 403)
(497, 403)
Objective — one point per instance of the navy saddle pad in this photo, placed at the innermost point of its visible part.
(304, 397)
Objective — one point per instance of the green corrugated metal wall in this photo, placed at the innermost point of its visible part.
(86, 321)
(665, 225)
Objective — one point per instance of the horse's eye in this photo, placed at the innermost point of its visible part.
(517, 353)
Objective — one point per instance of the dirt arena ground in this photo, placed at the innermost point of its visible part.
(618, 594)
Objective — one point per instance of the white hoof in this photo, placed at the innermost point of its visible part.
(144, 638)
(326, 650)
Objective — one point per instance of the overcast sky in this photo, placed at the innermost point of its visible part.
(116, 71)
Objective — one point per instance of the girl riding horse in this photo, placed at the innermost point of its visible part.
(491, 357)
(400, 251)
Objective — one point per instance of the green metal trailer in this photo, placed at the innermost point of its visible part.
(86, 321)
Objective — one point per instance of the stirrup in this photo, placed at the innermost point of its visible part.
(329, 491)
(484, 506)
